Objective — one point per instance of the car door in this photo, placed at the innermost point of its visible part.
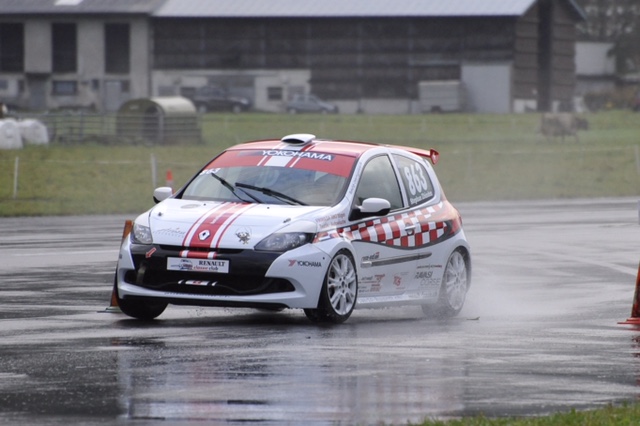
(381, 243)
(428, 224)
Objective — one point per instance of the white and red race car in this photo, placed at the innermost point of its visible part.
(320, 225)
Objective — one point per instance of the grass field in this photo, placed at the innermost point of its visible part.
(625, 415)
(483, 157)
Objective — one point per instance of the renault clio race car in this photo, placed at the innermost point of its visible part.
(320, 225)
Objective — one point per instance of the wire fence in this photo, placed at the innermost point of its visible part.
(121, 129)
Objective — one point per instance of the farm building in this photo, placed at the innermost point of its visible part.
(74, 53)
(371, 56)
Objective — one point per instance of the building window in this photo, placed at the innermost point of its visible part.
(64, 45)
(117, 49)
(274, 93)
(64, 88)
(11, 47)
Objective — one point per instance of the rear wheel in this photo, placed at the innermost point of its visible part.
(339, 291)
(453, 291)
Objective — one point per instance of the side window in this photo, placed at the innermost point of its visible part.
(379, 180)
(415, 180)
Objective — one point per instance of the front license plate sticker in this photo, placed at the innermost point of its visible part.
(198, 265)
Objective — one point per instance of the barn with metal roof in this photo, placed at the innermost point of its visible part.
(372, 56)
(348, 8)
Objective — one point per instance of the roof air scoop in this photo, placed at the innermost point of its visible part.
(298, 138)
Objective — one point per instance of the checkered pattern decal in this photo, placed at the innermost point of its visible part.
(416, 228)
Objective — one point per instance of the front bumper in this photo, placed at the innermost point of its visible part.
(254, 279)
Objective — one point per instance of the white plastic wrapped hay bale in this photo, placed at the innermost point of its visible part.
(33, 132)
(10, 134)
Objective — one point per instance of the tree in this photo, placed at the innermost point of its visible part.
(616, 21)
(609, 20)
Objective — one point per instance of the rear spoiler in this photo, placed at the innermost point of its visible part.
(431, 154)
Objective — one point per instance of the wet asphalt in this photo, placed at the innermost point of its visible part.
(539, 333)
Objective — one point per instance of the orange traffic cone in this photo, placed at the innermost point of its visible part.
(113, 306)
(169, 179)
(634, 319)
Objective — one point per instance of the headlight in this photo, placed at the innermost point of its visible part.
(284, 241)
(141, 234)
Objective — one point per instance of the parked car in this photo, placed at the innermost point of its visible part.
(309, 103)
(304, 223)
(211, 98)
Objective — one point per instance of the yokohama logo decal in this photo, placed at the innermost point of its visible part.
(209, 229)
(309, 157)
(284, 157)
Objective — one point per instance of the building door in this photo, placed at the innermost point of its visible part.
(112, 95)
(488, 87)
(37, 87)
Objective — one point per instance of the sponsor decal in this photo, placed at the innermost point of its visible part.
(430, 267)
(304, 263)
(428, 283)
(374, 256)
(297, 154)
(420, 198)
(198, 283)
(397, 281)
(198, 265)
(244, 235)
(423, 274)
(355, 179)
(171, 232)
(331, 221)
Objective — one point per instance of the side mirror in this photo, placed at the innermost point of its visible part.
(371, 207)
(162, 193)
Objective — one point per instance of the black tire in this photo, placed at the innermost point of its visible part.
(454, 287)
(141, 308)
(313, 315)
(339, 291)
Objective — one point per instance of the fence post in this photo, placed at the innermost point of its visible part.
(15, 177)
(154, 168)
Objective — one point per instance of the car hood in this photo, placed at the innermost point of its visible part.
(198, 224)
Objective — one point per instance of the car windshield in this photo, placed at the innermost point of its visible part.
(298, 183)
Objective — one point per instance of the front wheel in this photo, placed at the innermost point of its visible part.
(453, 291)
(339, 291)
(140, 308)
